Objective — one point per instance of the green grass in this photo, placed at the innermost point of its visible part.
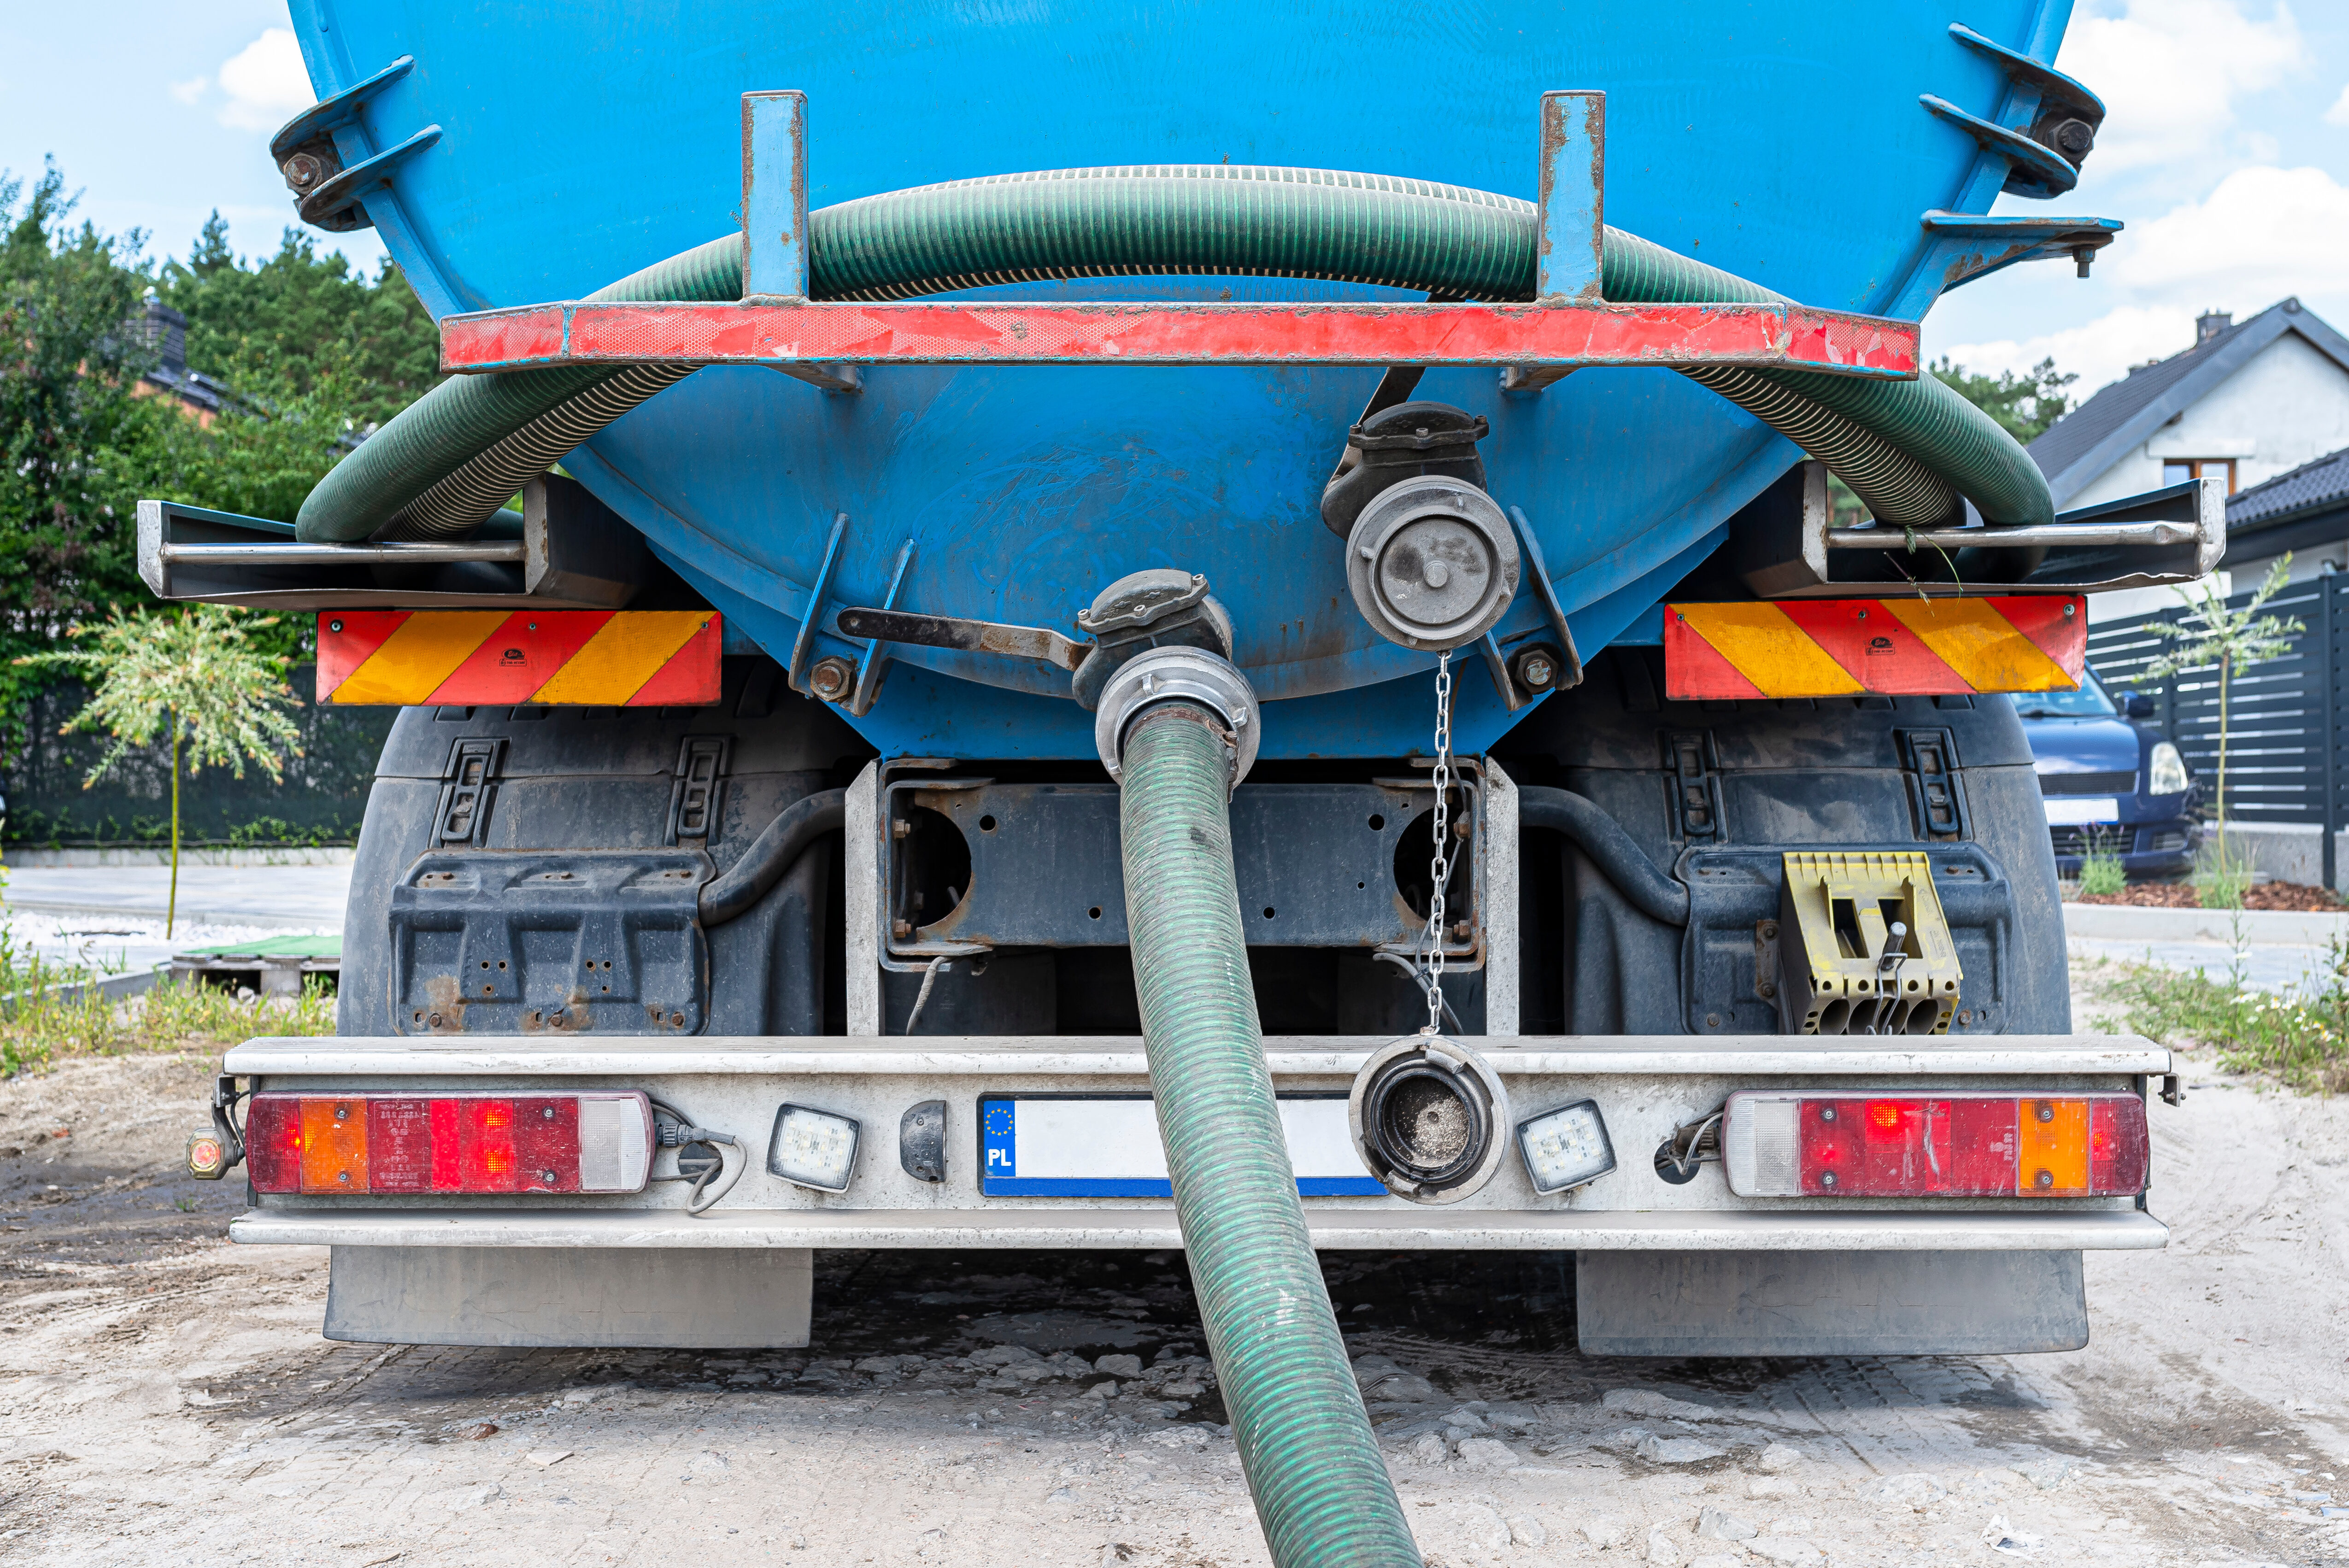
(2100, 870)
(2301, 1041)
(39, 1023)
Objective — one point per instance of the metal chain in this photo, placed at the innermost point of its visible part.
(1440, 866)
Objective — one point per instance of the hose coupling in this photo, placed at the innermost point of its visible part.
(1430, 1118)
(1191, 677)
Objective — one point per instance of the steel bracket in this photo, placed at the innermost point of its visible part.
(775, 221)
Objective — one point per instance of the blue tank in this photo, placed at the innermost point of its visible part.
(580, 142)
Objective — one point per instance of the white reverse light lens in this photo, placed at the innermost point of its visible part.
(2165, 773)
(1566, 1147)
(814, 1149)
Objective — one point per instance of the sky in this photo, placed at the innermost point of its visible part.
(2226, 153)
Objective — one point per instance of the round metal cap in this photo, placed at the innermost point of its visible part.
(1431, 563)
(1178, 675)
(1430, 1118)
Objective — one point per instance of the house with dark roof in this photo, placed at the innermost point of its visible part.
(2251, 401)
(2305, 510)
(164, 332)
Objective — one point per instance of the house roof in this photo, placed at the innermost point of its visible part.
(2321, 485)
(2091, 438)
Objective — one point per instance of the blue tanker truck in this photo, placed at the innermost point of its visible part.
(1254, 630)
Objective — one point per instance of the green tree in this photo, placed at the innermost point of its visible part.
(75, 436)
(195, 678)
(2212, 636)
(295, 321)
(2024, 404)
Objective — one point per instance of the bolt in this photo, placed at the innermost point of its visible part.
(302, 170)
(901, 928)
(1460, 931)
(900, 829)
(1436, 574)
(1537, 669)
(2069, 610)
(833, 679)
(1766, 990)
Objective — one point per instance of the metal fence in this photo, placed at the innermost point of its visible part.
(2283, 719)
(320, 800)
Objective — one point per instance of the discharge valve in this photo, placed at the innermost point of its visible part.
(1430, 559)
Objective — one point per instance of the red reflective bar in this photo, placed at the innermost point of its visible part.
(546, 1144)
(925, 332)
(399, 1145)
(273, 1143)
(448, 1169)
(2118, 1149)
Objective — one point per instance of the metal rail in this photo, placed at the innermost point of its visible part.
(2057, 534)
(292, 554)
(1570, 336)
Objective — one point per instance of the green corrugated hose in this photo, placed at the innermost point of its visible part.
(1321, 1489)
(1906, 449)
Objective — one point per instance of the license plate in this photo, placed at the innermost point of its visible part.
(1068, 1146)
(2082, 810)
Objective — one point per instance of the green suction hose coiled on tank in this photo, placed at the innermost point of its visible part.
(1906, 449)
(1321, 1488)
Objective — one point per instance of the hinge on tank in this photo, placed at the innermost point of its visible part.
(1696, 793)
(471, 781)
(1940, 803)
(701, 777)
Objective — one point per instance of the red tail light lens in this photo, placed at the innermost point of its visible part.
(1786, 1145)
(391, 1144)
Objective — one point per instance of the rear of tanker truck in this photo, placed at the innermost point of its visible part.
(1103, 626)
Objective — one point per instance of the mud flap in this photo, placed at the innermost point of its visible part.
(660, 1298)
(1829, 1304)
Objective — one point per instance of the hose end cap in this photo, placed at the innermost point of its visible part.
(1430, 1118)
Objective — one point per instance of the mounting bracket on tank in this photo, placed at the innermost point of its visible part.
(1786, 545)
(1569, 324)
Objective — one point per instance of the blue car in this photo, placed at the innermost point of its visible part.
(2106, 777)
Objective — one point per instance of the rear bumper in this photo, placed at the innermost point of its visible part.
(1644, 1086)
(1403, 1228)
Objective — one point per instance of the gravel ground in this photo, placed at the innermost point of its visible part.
(167, 1399)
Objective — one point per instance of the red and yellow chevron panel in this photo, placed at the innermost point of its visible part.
(1894, 647)
(587, 658)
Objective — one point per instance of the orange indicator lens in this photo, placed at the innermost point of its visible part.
(2052, 1147)
(334, 1146)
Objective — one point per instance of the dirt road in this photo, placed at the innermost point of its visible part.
(167, 1399)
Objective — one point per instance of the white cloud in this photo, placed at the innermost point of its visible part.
(2169, 72)
(266, 81)
(2262, 233)
(2339, 113)
(2099, 352)
(191, 89)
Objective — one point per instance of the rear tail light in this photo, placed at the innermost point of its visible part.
(1778, 1144)
(390, 1144)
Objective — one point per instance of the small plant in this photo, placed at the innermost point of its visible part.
(2232, 641)
(195, 678)
(2220, 879)
(2101, 876)
(2302, 1040)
